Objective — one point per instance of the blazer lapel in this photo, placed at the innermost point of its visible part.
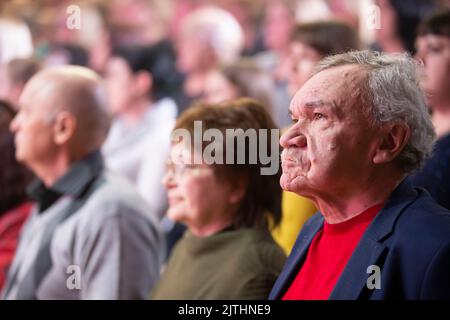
(297, 257)
(370, 248)
(354, 277)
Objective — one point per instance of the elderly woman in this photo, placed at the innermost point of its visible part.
(227, 251)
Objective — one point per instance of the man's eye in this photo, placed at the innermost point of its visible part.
(318, 116)
(294, 120)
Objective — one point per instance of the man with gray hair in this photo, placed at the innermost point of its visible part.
(90, 235)
(361, 126)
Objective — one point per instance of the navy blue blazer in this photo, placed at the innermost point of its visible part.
(409, 240)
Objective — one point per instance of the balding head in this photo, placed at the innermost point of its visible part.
(76, 91)
(62, 110)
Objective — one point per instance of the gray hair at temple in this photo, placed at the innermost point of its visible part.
(392, 93)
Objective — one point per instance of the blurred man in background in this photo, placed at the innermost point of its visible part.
(88, 222)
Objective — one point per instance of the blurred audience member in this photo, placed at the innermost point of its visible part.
(433, 48)
(14, 204)
(240, 79)
(227, 252)
(398, 24)
(15, 40)
(313, 41)
(278, 24)
(312, 11)
(85, 216)
(144, 115)
(209, 37)
(13, 77)
(65, 53)
(249, 14)
(139, 22)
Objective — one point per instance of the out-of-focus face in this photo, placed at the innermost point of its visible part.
(120, 85)
(303, 60)
(435, 53)
(9, 91)
(219, 89)
(33, 127)
(193, 54)
(197, 197)
(278, 25)
(329, 148)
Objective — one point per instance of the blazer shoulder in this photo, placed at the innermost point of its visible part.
(425, 222)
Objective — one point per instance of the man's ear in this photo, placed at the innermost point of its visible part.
(144, 82)
(393, 139)
(64, 127)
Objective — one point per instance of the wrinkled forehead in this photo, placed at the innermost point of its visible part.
(337, 86)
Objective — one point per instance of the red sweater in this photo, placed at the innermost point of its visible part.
(11, 223)
(327, 257)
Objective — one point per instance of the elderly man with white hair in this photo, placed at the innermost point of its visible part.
(210, 37)
(361, 126)
(90, 235)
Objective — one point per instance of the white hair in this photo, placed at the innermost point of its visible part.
(219, 29)
(15, 40)
(393, 94)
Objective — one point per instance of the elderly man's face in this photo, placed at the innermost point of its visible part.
(32, 126)
(328, 149)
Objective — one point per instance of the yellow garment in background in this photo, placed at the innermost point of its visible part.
(295, 211)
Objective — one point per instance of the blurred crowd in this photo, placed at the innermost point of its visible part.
(87, 175)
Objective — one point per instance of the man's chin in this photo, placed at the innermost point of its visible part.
(292, 185)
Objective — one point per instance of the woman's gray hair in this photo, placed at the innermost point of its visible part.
(392, 93)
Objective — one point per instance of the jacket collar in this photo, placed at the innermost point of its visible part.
(73, 183)
(368, 251)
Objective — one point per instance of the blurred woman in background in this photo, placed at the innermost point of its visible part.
(433, 48)
(239, 79)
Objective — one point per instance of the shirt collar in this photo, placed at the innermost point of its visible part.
(73, 183)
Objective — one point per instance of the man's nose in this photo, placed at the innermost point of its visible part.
(293, 138)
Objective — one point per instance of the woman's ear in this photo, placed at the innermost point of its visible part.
(64, 127)
(392, 141)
